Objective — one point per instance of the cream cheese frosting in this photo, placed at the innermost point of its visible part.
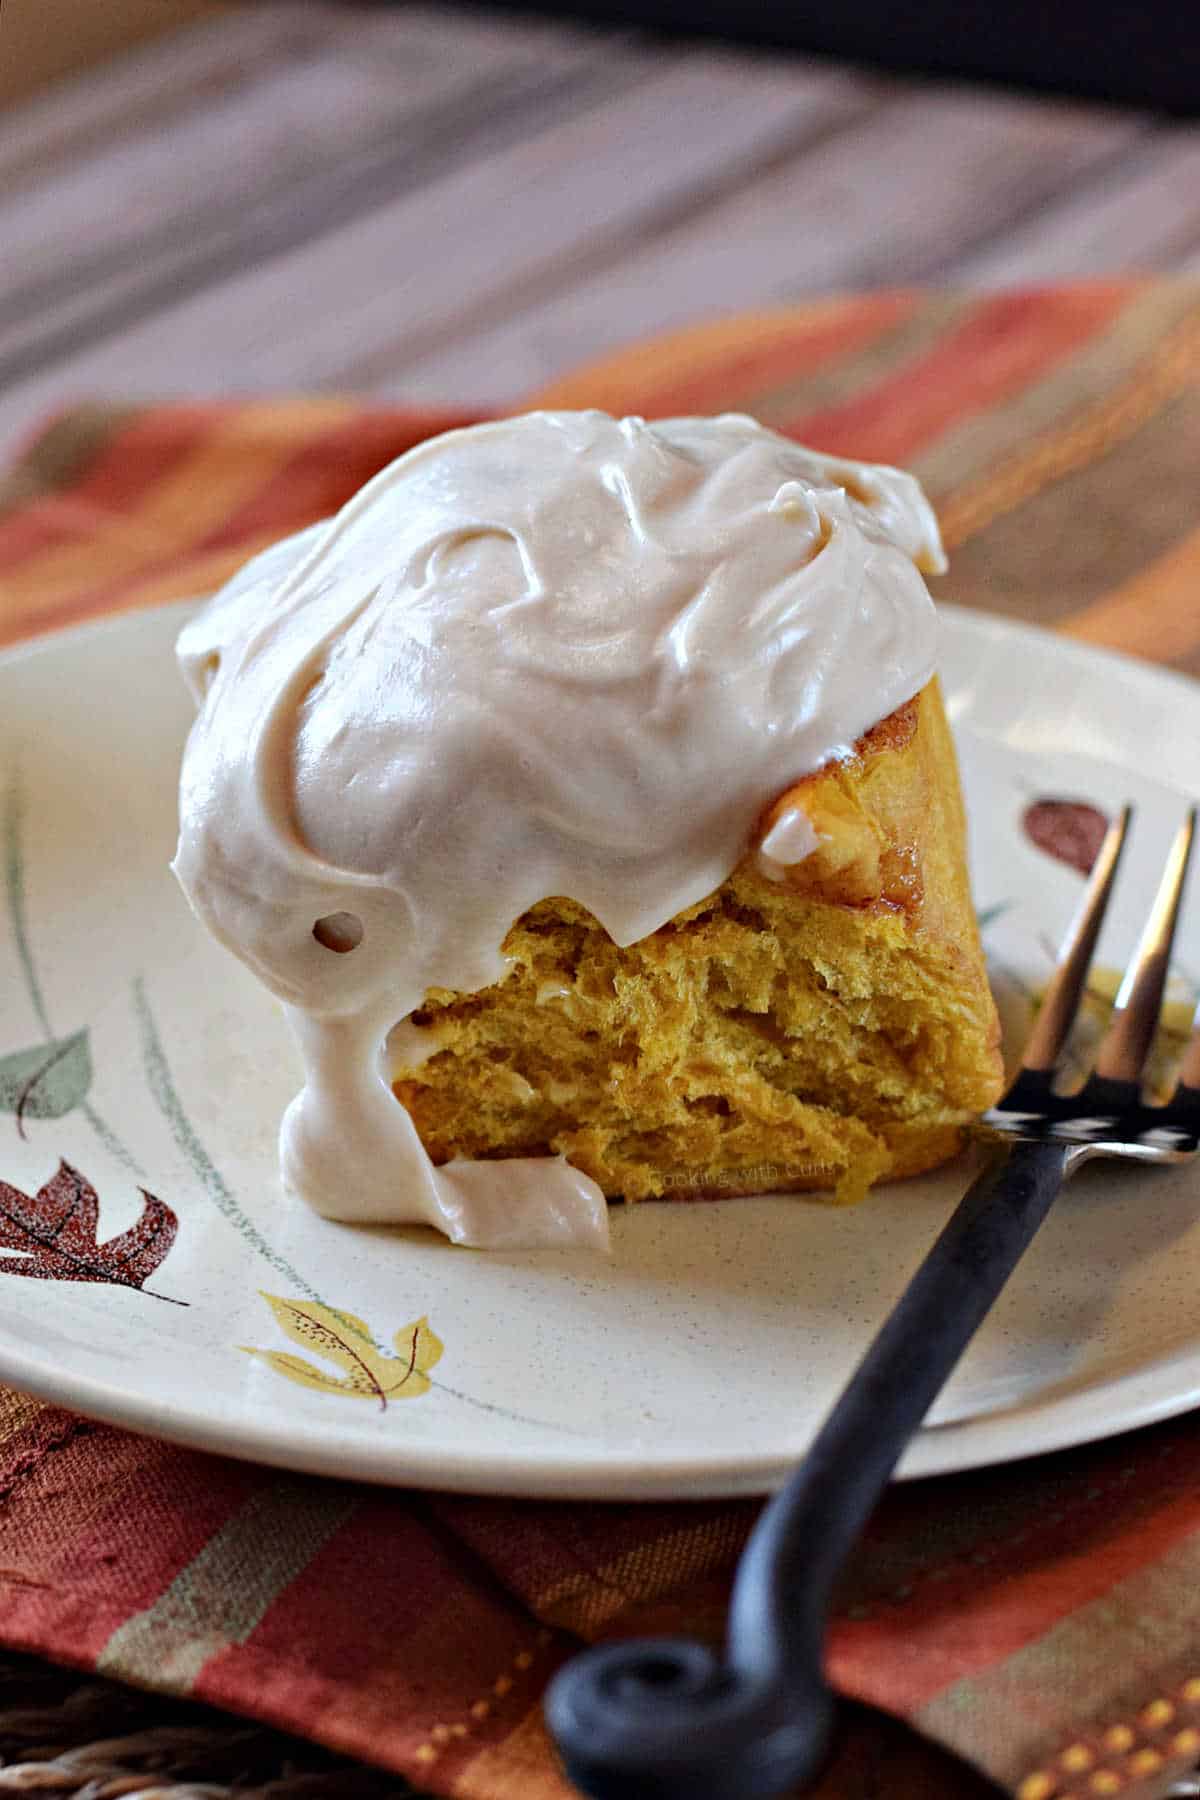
(791, 840)
(558, 654)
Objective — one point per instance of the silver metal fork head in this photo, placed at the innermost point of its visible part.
(1111, 1115)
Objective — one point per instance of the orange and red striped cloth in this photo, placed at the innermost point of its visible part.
(1043, 1620)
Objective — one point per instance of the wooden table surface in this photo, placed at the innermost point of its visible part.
(451, 207)
(446, 207)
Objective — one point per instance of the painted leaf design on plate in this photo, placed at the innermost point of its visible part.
(1071, 831)
(47, 1081)
(55, 1231)
(367, 1373)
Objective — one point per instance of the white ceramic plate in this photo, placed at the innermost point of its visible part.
(699, 1360)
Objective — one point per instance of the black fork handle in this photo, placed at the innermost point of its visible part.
(667, 1719)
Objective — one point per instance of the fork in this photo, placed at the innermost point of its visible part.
(667, 1718)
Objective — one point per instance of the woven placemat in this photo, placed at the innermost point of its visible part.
(74, 1736)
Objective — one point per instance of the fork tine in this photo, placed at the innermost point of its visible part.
(1057, 1012)
(1126, 1044)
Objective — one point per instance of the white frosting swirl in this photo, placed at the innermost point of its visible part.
(556, 654)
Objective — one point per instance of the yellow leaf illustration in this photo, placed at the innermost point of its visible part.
(296, 1369)
(343, 1339)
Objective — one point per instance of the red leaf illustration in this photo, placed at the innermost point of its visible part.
(1070, 830)
(56, 1230)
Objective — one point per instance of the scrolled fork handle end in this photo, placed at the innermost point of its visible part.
(667, 1719)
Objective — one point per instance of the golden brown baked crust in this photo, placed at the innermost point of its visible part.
(824, 1031)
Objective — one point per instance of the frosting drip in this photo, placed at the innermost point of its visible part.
(556, 654)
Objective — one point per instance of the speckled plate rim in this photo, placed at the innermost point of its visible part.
(1147, 1396)
(1155, 1389)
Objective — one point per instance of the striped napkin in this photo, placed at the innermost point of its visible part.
(1041, 1620)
